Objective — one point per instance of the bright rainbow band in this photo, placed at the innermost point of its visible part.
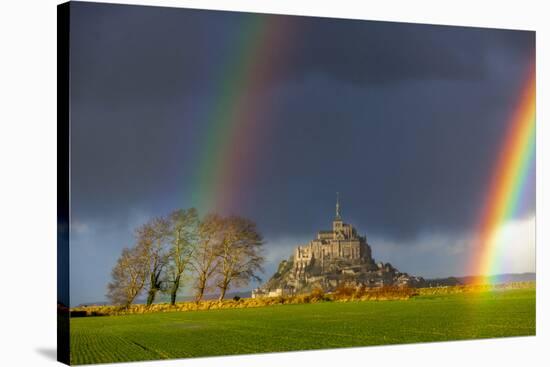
(507, 185)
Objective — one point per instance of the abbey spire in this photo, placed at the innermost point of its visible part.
(338, 217)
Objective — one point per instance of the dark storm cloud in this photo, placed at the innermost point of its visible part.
(124, 53)
(153, 52)
(414, 155)
(404, 120)
(384, 52)
(140, 74)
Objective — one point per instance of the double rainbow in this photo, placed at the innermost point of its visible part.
(229, 154)
(507, 185)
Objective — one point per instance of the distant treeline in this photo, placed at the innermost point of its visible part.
(210, 253)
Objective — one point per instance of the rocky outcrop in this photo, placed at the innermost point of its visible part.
(286, 281)
(334, 257)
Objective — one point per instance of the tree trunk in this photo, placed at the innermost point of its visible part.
(155, 286)
(200, 292)
(200, 289)
(222, 294)
(174, 292)
(224, 286)
(151, 296)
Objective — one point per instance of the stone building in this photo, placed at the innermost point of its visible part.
(333, 257)
(340, 243)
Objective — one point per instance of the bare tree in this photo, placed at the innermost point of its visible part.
(128, 277)
(204, 259)
(151, 243)
(183, 239)
(240, 254)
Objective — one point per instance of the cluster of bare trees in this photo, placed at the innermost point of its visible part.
(211, 253)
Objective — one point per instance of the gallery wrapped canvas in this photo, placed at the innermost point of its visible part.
(235, 183)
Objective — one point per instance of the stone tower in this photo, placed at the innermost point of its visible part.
(337, 223)
(341, 244)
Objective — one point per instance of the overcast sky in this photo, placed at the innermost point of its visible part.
(404, 120)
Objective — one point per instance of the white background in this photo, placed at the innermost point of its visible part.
(28, 182)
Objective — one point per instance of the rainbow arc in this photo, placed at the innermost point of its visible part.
(508, 182)
(235, 122)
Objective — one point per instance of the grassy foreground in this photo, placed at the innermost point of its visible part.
(425, 318)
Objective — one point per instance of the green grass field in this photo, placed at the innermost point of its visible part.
(299, 327)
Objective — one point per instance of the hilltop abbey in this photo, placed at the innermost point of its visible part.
(342, 242)
(336, 256)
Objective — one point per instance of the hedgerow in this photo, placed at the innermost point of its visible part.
(343, 293)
